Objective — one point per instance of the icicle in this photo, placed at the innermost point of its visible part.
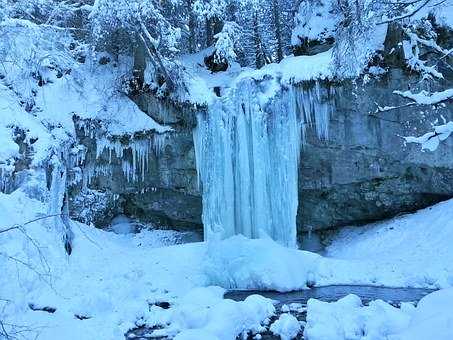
(57, 190)
(128, 171)
(247, 157)
(140, 150)
(159, 143)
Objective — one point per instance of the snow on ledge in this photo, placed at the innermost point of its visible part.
(291, 70)
(425, 98)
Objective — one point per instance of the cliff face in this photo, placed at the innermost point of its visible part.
(149, 176)
(365, 172)
(362, 172)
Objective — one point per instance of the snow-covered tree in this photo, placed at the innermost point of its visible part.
(138, 22)
(227, 43)
(35, 46)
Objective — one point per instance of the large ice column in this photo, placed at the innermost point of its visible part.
(247, 150)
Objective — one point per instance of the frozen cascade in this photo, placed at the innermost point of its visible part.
(58, 210)
(247, 150)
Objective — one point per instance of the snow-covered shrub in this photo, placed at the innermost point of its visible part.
(209, 8)
(227, 43)
(356, 36)
(32, 55)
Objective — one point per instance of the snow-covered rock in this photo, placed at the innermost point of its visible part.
(286, 326)
(349, 319)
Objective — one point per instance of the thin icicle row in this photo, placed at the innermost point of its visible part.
(141, 149)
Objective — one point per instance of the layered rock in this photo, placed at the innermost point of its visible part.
(148, 176)
(363, 172)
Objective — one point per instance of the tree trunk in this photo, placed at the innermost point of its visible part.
(278, 28)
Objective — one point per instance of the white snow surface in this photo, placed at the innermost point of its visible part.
(432, 319)
(112, 279)
(348, 318)
(92, 91)
(291, 70)
(418, 246)
(426, 98)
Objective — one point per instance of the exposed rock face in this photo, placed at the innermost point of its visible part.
(365, 172)
(164, 192)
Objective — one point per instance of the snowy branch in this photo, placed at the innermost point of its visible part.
(431, 140)
(411, 53)
(410, 14)
(390, 108)
(18, 226)
(421, 98)
(424, 98)
(429, 43)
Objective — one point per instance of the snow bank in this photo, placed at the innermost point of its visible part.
(112, 283)
(349, 319)
(412, 250)
(206, 317)
(108, 278)
(432, 319)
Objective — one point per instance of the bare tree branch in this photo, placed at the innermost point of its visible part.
(17, 226)
(401, 17)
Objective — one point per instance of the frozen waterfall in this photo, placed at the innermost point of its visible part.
(247, 150)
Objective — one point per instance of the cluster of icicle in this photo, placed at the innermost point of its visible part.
(135, 169)
(247, 160)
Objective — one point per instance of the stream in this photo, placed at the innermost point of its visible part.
(390, 295)
(296, 302)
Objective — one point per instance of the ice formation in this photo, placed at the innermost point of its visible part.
(134, 169)
(247, 151)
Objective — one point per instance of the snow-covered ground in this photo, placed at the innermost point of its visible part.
(113, 282)
(417, 246)
(349, 319)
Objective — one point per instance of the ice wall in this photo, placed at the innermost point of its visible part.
(247, 150)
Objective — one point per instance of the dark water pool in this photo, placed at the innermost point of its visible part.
(333, 293)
